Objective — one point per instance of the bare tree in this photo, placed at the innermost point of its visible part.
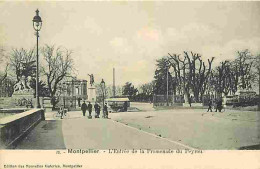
(4, 63)
(231, 75)
(22, 62)
(198, 74)
(119, 90)
(244, 63)
(256, 65)
(59, 64)
(191, 73)
(179, 67)
(222, 78)
(4, 75)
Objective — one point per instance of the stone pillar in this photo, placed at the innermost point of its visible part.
(92, 94)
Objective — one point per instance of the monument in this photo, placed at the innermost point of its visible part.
(23, 95)
(92, 89)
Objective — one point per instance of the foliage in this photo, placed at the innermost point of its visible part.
(145, 93)
(43, 90)
(160, 82)
(232, 75)
(129, 90)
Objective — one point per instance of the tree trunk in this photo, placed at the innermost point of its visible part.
(258, 89)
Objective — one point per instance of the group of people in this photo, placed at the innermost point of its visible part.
(218, 105)
(97, 107)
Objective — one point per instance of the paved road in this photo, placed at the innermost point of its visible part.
(199, 129)
(142, 106)
(175, 129)
(75, 131)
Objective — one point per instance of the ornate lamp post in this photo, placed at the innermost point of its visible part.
(37, 24)
(64, 91)
(103, 91)
(167, 84)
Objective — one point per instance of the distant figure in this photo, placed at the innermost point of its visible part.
(79, 101)
(61, 112)
(210, 106)
(105, 111)
(189, 100)
(97, 111)
(219, 105)
(125, 106)
(89, 109)
(84, 108)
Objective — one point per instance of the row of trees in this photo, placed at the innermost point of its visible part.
(192, 75)
(186, 74)
(143, 93)
(189, 74)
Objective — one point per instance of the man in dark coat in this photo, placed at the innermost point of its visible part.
(219, 105)
(96, 110)
(125, 106)
(189, 100)
(210, 106)
(89, 109)
(105, 111)
(84, 108)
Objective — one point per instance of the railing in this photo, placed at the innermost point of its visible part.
(13, 128)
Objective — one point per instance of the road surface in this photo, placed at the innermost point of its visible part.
(150, 129)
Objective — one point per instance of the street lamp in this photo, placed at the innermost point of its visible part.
(64, 91)
(103, 91)
(37, 24)
(167, 84)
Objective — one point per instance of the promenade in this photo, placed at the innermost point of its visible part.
(148, 129)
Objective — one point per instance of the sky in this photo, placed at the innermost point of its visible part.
(131, 36)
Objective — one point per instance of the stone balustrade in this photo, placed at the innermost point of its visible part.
(15, 127)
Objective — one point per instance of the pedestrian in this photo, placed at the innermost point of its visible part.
(210, 105)
(84, 108)
(79, 101)
(125, 106)
(219, 105)
(189, 100)
(89, 109)
(105, 112)
(61, 112)
(96, 109)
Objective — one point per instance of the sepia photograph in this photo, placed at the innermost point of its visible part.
(122, 77)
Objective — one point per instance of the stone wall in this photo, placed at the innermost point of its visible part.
(15, 127)
(14, 110)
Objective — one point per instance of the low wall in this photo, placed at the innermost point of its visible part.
(14, 110)
(13, 128)
(165, 104)
(193, 105)
(186, 105)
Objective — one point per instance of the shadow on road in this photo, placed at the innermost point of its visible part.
(45, 136)
(253, 147)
